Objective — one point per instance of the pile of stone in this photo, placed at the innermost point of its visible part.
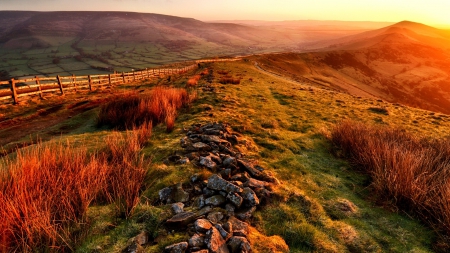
(215, 211)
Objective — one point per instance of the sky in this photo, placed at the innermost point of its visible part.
(431, 12)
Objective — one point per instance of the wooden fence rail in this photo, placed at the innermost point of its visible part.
(16, 88)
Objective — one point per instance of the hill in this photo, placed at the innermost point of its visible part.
(42, 43)
(404, 63)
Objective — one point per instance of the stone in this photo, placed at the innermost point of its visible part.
(243, 177)
(249, 168)
(197, 241)
(184, 160)
(205, 210)
(179, 195)
(228, 161)
(174, 158)
(226, 173)
(235, 199)
(181, 219)
(222, 231)
(201, 251)
(199, 202)
(249, 196)
(207, 162)
(238, 227)
(185, 142)
(164, 194)
(215, 158)
(254, 183)
(246, 214)
(215, 200)
(217, 183)
(141, 238)
(233, 139)
(176, 248)
(177, 207)
(239, 244)
(215, 242)
(215, 217)
(134, 248)
(212, 138)
(228, 227)
(212, 131)
(238, 183)
(202, 226)
(208, 192)
(230, 209)
(201, 146)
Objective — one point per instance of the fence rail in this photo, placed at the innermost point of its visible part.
(17, 88)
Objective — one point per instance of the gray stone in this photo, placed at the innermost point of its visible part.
(197, 241)
(133, 248)
(243, 177)
(141, 238)
(215, 217)
(212, 138)
(217, 183)
(239, 244)
(226, 173)
(199, 202)
(200, 146)
(235, 199)
(179, 195)
(205, 210)
(228, 161)
(246, 213)
(228, 227)
(185, 142)
(215, 200)
(215, 242)
(215, 158)
(209, 192)
(177, 207)
(202, 226)
(176, 248)
(230, 209)
(164, 194)
(182, 219)
(254, 183)
(207, 162)
(225, 235)
(239, 227)
(238, 183)
(249, 196)
(184, 160)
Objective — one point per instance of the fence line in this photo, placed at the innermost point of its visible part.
(16, 88)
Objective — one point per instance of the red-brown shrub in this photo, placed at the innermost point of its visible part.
(130, 109)
(411, 172)
(193, 81)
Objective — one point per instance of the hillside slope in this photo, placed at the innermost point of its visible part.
(406, 63)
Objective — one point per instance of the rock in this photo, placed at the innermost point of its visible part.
(249, 196)
(217, 183)
(246, 214)
(233, 139)
(215, 158)
(202, 226)
(228, 161)
(243, 177)
(197, 241)
(201, 146)
(254, 183)
(179, 195)
(134, 248)
(212, 131)
(228, 227)
(215, 200)
(239, 227)
(141, 238)
(184, 160)
(207, 162)
(215, 217)
(226, 150)
(215, 242)
(239, 244)
(174, 158)
(235, 199)
(237, 183)
(176, 248)
(201, 251)
(222, 231)
(185, 142)
(177, 207)
(164, 194)
(249, 168)
(199, 202)
(181, 219)
(198, 190)
(230, 209)
(212, 138)
(205, 210)
(208, 192)
(226, 173)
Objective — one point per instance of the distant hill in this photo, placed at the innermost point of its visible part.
(406, 63)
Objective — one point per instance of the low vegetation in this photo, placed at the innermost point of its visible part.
(129, 109)
(46, 191)
(410, 172)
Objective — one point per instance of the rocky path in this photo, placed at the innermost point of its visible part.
(215, 211)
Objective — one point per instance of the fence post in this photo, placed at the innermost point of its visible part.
(109, 79)
(123, 77)
(148, 73)
(74, 80)
(12, 82)
(60, 84)
(90, 82)
(39, 87)
(134, 76)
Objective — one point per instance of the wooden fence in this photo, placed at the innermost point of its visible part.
(16, 88)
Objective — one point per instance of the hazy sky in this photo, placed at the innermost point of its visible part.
(432, 12)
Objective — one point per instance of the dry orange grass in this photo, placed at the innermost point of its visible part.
(410, 172)
(46, 191)
(193, 81)
(129, 109)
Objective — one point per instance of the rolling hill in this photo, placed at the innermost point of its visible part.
(404, 63)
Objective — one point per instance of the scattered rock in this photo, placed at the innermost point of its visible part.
(215, 242)
(197, 241)
(179, 195)
(216, 200)
(239, 244)
(235, 199)
(202, 225)
(177, 207)
(134, 248)
(176, 248)
(246, 214)
(222, 231)
(141, 238)
(207, 162)
(228, 161)
(181, 219)
(217, 183)
(238, 227)
(201, 146)
(184, 160)
(215, 217)
(249, 196)
(254, 183)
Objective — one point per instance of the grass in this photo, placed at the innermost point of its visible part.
(129, 109)
(410, 172)
(47, 189)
